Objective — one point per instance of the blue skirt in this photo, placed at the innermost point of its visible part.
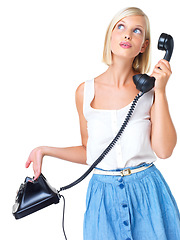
(136, 207)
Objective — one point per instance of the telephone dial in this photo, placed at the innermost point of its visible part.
(35, 195)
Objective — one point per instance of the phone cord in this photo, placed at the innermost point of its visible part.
(100, 158)
(111, 145)
(63, 216)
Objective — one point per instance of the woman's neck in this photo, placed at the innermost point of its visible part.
(120, 72)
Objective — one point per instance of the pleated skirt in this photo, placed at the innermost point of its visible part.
(135, 207)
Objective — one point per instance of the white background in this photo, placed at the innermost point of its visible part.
(47, 48)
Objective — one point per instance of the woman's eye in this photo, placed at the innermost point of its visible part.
(120, 26)
(137, 30)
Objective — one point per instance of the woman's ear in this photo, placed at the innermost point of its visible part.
(144, 46)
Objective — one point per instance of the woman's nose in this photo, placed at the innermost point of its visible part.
(127, 37)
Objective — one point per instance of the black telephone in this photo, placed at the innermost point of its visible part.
(35, 195)
(145, 83)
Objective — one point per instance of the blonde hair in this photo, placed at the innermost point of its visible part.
(142, 61)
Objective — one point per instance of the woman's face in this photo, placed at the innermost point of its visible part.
(128, 37)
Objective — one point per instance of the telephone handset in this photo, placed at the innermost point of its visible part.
(145, 83)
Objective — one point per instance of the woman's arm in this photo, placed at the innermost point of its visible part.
(163, 133)
(75, 154)
(72, 154)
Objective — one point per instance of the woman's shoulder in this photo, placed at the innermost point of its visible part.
(82, 94)
(80, 88)
(79, 94)
(97, 79)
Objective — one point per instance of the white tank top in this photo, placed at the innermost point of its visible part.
(134, 146)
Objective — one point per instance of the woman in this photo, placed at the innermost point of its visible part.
(138, 205)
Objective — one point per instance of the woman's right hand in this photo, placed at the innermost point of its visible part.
(35, 157)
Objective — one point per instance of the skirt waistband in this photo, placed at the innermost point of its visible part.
(128, 178)
(122, 173)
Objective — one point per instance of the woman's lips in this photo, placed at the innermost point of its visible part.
(125, 45)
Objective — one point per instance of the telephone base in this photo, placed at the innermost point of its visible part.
(33, 196)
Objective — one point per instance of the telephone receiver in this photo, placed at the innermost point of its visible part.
(145, 83)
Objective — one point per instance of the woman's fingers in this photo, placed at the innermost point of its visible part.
(35, 157)
(28, 163)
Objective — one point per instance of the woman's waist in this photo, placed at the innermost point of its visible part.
(132, 174)
(114, 161)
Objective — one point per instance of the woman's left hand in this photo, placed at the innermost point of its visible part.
(162, 72)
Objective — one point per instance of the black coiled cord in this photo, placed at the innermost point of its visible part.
(111, 145)
(100, 158)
